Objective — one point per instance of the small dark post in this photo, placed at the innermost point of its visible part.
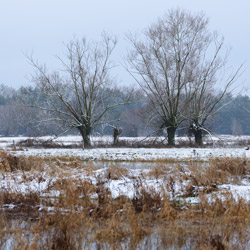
(116, 133)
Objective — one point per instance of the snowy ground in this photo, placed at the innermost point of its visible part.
(143, 154)
(130, 154)
(41, 181)
(124, 182)
(224, 139)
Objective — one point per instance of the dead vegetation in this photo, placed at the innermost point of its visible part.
(39, 143)
(82, 213)
(10, 163)
(147, 142)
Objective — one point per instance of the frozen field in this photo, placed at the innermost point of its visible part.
(223, 146)
(125, 185)
(139, 154)
(202, 188)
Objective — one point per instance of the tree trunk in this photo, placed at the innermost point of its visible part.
(196, 129)
(171, 135)
(198, 136)
(116, 133)
(85, 133)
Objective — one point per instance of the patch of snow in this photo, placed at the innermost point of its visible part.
(131, 154)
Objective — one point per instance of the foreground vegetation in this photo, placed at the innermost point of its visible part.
(171, 205)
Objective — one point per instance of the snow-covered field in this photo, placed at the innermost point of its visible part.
(226, 139)
(172, 178)
(40, 181)
(143, 154)
(130, 154)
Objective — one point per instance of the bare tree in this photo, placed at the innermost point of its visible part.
(171, 65)
(75, 95)
(205, 95)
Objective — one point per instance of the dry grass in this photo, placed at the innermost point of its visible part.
(10, 163)
(84, 215)
(236, 166)
(38, 143)
(153, 142)
(114, 172)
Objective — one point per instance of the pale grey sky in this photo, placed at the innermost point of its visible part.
(41, 27)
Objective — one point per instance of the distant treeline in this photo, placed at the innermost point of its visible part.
(19, 115)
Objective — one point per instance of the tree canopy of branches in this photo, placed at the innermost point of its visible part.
(205, 98)
(173, 65)
(75, 95)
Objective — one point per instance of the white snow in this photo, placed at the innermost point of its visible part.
(144, 154)
(41, 182)
(130, 154)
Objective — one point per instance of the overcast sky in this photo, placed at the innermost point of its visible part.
(41, 26)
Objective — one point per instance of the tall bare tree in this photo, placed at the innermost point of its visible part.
(211, 83)
(75, 95)
(205, 98)
(171, 65)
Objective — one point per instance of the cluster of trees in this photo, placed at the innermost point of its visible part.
(21, 113)
(177, 63)
(19, 119)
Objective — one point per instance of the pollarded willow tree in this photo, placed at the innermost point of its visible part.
(205, 96)
(75, 96)
(171, 64)
(211, 83)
